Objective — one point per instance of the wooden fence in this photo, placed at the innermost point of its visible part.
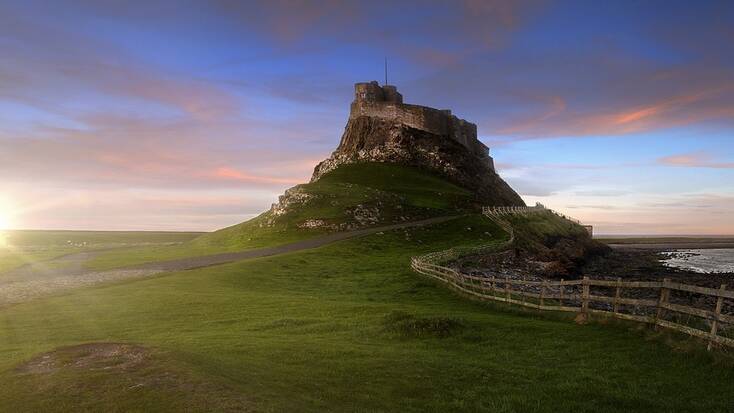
(587, 296)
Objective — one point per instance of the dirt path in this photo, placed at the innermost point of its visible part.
(44, 278)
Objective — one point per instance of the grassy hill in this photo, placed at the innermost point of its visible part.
(398, 194)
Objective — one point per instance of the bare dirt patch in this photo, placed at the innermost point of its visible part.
(91, 356)
(119, 377)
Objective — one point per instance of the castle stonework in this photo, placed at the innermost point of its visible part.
(385, 102)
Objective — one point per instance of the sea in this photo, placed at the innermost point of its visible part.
(705, 261)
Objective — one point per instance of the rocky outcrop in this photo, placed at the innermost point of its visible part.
(371, 139)
(293, 197)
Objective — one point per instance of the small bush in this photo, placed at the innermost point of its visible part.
(410, 326)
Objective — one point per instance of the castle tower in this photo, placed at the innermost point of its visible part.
(368, 92)
(385, 102)
(392, 95)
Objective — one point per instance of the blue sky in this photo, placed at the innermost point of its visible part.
(196, 115)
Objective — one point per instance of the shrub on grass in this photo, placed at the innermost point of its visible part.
(410, 326)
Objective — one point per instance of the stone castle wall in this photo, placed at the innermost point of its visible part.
(386, 103)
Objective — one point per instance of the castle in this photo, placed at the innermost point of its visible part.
(383, 129)
(385, 102)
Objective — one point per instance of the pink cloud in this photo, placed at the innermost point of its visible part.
(694, 160)
(114, 152)
(557, 119)
(233, 174)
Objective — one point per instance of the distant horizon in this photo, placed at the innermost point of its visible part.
(596, 235)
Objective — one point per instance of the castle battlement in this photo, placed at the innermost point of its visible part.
(385, 102)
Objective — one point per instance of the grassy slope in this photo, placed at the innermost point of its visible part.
(535, 227)
(399, 191)
(349, 327)
(22, 247)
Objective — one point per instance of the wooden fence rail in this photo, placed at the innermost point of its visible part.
(552, 295)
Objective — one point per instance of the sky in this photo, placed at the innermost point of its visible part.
(194, 115)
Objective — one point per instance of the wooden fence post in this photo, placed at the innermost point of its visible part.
(542, 294)
(617, 295)
(522, 290)
(715, 322)
(585, 299)
(560, 293)
(507, 288)
(491, 286)
(664, 296)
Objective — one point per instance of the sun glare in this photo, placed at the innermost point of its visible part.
(5, 217)
(5, 224)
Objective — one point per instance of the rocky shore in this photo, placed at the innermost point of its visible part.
(628, 264)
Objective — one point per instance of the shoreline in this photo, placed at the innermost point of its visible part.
(673, 245)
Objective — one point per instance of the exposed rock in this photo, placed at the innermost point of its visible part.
(313, 223)
(292, 199)
(547, 256)
(369, 139)
(365, 215)
(286, 202)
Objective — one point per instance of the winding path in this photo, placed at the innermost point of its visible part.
(62, 273)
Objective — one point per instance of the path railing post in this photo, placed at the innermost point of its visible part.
(585, 299)
(617, 295)
(664, 296)
(542, 294)
(560, 294)
(522, 290)
(717, 315)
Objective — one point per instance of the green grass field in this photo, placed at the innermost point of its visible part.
(347, 327)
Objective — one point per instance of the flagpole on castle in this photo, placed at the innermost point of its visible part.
(386, 70)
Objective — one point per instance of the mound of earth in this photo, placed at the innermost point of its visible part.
(113, 357)
(350, 197)
(545, 245)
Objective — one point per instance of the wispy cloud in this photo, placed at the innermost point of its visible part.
(695, 160)
(227, 173)
(605, 207)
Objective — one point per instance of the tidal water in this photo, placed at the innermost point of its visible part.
(705, 261)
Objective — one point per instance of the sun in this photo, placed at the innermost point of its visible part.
(5, 224)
